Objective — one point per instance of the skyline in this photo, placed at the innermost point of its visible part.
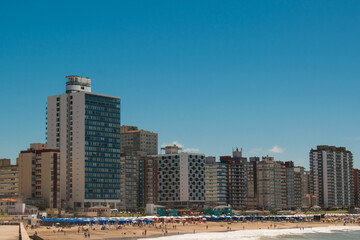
(255, 75)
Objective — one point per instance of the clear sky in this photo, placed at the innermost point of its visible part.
(271, 77)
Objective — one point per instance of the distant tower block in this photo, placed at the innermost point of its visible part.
(171, 149)
(78, 84)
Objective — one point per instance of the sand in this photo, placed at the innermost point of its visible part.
(9, 232)
(135, 232)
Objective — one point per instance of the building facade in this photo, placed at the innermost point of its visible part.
(236, 178)
(331, 170)
(181, 178)
(356, 187)
(294, 186)
(9, 179)
(135, 140)
(215, 182)
(39, 171)
(138, 180)
(251, 198)
(271, 184)
(85, 126)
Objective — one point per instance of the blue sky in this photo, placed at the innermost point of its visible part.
(271, 77)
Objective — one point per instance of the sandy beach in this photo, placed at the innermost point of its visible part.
(157, 230)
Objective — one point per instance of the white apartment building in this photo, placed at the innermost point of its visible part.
(181, 178)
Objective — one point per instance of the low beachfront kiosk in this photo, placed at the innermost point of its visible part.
(152, 209)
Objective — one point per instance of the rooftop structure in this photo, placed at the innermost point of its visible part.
(78, 84)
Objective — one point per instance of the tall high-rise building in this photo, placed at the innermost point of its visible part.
(236, 178)
(356, 187)
(135, 140)
(271, 184)
(138, 180)
(9, 179)
(294, 186)
(332, 176)
(215, 182)
(251, 198)
(85, 126)
(309, 199)
(181, 178)
(39, 172)
(298, 186)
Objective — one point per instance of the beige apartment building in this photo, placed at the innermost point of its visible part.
(9, 179)
(271, 184)
(39, 171)
(135, 140)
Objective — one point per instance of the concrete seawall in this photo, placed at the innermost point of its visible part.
(22, 232)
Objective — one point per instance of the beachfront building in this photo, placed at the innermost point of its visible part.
(39, 174)
(85, 127)
(298, 187)
(271, 184)
(181, 178)
(251, 198)
(135, 140)
(9, 179)
(215, 182)
(294, 186)
(306, 182)
(332, 176)
(309, 199)
(138, 180)
(236, 167)
(356, 187)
